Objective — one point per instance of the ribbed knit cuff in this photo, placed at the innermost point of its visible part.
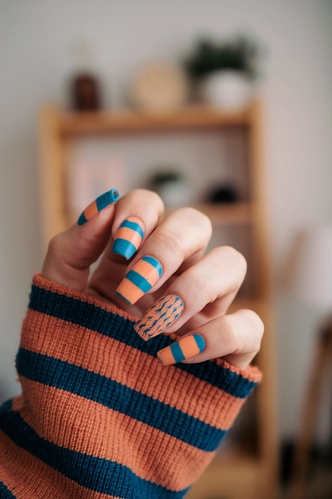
(95, 392)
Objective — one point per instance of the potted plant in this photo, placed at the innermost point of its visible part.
(171, 185)
(225, 71)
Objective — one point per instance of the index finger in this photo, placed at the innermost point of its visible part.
(71, 252)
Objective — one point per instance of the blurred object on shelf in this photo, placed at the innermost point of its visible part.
(84, 87)
(87, 178)
(159, 87)
(227, 90)
(85, 93)
(224, 73)
(172, 186)
(223, 194)
(308, 275)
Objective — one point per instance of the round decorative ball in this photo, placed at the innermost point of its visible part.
(159, 87)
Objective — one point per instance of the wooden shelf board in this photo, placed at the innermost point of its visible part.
(127, 120)
(233, 214)
(227, 214)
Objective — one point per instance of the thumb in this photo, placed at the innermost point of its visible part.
(71, 253)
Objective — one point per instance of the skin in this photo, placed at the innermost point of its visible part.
(179, 242)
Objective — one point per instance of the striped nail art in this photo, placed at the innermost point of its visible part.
(140, 279)
(128, 237)
(184, 349)
(160, 316)
(97, 205)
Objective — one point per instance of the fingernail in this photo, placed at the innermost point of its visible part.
(128, 237)
(97, 205)
(160, 316)
(140, 279)
(184, 349)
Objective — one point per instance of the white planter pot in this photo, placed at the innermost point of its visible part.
(227, 90)
(175, 194)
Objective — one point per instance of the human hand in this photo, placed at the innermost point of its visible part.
(169, 276)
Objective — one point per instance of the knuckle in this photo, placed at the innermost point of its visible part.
(171, 241)
(233, 261)
(232, 330)
(252, 328)
(258, 324)
(55, 245)
(198, 218)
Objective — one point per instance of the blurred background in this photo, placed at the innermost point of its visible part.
(109, 54)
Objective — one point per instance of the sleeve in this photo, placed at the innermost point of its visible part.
(99, 417)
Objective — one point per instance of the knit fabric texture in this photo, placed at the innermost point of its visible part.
(99, 416)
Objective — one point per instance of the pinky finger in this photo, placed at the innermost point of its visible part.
(236, 338)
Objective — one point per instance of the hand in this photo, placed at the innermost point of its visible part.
(169, 284)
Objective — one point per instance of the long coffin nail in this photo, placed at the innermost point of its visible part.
(184, 349)
(97, 205)
(140, 279)
(160, 316)
(128, 237)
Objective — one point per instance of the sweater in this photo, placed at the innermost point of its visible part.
(99, 417)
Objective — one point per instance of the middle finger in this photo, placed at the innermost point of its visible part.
(184, 234)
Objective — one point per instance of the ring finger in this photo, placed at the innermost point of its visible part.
(200, 294)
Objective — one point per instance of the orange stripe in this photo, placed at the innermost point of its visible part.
(166, 356)
(91, 210)
(146, 270)
(189, 346)
(137, 221)
(129, 291)
(119, 438)
(29, 478)
(129, 235)
(61, 340)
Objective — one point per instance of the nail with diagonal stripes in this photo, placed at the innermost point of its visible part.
(140, 279)
(186, 348)
(128, 237)
(97, 205)
(160, 316)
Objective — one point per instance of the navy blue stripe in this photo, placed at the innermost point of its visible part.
(155, 263)
(81, 219)
(123, 297)
(5, 408)
(124, 247)
(138, 280)
(92, 317)
(177, 352)
(94, 473)
(107, 198)
(5, 493)
(133, 226)
(110, 393)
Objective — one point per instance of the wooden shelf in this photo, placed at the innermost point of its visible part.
(232, 214)
(237, 213)
(126, 120)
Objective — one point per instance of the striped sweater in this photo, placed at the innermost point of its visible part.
(99, 416)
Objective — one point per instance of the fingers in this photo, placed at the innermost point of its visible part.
(202, 292)
(136, 217)
(71, 253)
(236, 338)
(182, 235)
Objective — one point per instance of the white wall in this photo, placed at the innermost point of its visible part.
(35, 45)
